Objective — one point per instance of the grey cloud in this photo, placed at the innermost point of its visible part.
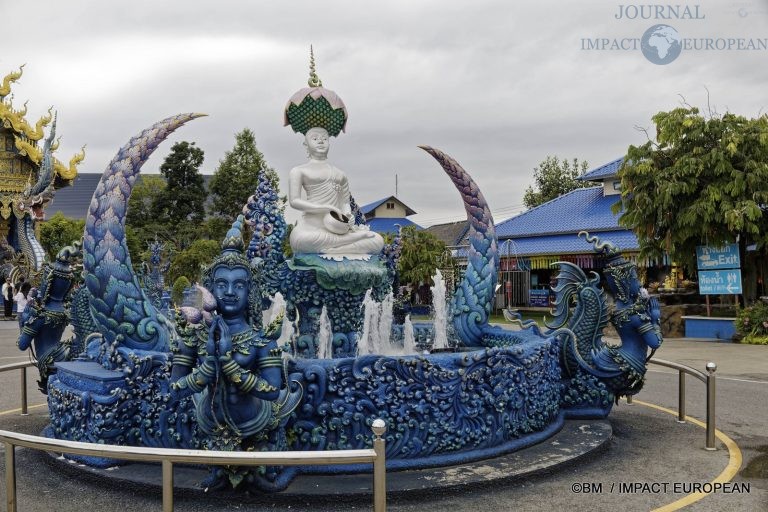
(496, 84)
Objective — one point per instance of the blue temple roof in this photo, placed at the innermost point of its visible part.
(580, 209)
(604, 171)
(569, 243)
(389, 225)
(73, 201)
(368, 208)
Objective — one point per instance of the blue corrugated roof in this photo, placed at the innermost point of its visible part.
(566, 244)
(368, 208)
(73, 201)
(371, 206)
(389, 225)
(580, 209)
(604, 171)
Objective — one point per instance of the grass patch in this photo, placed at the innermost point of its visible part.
(537, 316)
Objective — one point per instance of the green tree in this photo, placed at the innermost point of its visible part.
(237, 176)
(58, 232)
(553, 178)
(177, 292)
(419, 256)
(145, 194)
(182, 201)
(215, 228)
(141, 224)
(189, 262)
(704, 181)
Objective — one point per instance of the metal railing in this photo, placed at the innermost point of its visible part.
(168, 457)
(709, 381)
(23, 368)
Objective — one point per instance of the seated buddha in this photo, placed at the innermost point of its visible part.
(327, 224)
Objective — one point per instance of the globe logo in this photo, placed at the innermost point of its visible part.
(661, 44)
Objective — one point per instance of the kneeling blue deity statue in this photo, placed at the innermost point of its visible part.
(234, 370)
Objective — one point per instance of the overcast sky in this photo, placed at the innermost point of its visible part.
(497, 84)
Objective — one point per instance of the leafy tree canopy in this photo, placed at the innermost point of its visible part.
(146, 193)
(191, 260)
(58, 232)
(237, 176)
(553, 178)
(183, 199)
(704, 181)
(419, 256)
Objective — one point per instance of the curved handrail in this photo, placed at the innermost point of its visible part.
(681, 367)
(709, 381)
(187, 456)
(22, 366)
(17, 366)
(169, 456)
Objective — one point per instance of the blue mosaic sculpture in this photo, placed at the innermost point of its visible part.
(472, 301)
(215, 379)
(234, 370)
(635, 317)
(152, 276)
(46, 316)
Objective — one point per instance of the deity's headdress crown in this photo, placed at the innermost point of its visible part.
(232, 254)
(315, 106)
(618, 271)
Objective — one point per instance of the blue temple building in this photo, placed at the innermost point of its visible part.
(385, 215)
(531, 241)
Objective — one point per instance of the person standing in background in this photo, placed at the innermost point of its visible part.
(21, 298)
(8, 298)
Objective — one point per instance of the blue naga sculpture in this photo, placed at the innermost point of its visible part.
(635, 316)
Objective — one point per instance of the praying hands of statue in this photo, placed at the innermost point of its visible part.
(219, 338)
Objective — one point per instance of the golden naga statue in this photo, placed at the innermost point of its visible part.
(5, 89)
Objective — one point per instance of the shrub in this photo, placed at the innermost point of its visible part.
(177, 293)
(752, 324)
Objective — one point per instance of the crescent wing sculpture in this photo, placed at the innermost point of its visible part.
(118, 305)
(472, 302)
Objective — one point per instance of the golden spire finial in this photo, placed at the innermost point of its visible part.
(314, 80)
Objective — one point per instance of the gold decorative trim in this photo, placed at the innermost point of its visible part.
(5, 89)
(12, 119)
(6, 204)
(36, 155)
(26, 138)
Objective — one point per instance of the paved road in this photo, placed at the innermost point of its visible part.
(649, 447)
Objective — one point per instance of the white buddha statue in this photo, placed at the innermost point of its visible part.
(327, 226)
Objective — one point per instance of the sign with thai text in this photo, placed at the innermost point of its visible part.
(538, 298)
(720, 282)
(716, 258)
